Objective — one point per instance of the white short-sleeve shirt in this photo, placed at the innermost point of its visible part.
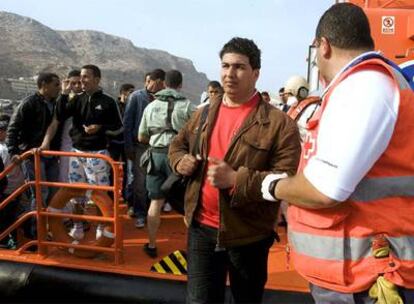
(355, 129)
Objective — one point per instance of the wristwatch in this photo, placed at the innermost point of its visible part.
(269, 185)
(272, 187)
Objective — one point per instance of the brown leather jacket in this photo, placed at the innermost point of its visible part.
(267, 142)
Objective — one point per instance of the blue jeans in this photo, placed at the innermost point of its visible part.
(208, 268)
(325, 296)
(49, 171)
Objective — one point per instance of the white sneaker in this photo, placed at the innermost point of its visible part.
(99, 231)
(69, 207)
(167, 207)
(140, 222)
(77, 231)
(90, 203)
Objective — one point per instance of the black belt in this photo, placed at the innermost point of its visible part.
(160, 149)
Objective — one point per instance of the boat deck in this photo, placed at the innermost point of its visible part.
(172, 236)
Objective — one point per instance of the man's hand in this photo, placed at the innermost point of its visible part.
(220, 174)
(91, 129)
(130, 153)
(143, 138)
(188, 164)
(15, 159)
(44, 146)
(46, 142)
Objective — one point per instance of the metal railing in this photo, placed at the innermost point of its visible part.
(42, 214)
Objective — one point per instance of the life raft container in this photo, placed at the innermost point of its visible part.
(58, 230)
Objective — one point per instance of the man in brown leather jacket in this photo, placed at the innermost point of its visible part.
(243, 140)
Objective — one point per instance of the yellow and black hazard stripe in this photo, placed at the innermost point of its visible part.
(175, 263)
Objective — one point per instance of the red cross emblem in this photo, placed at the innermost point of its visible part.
(309, 146)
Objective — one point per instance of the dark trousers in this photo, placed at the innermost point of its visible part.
(136, 192)
(208, 268)
(325, 296)
(8, 215)
(117, 153)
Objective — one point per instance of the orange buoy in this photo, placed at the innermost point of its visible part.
(58, 230)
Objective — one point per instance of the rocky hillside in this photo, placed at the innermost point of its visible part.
(27, 47)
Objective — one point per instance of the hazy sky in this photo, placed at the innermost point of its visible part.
(195, 29)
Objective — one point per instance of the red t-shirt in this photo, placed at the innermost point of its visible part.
(229, 121)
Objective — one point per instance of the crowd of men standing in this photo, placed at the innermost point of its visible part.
(76, 115)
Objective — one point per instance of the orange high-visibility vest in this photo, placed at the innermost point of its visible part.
(295, 112)
(331, 247)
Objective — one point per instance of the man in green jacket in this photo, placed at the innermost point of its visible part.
(161, 121)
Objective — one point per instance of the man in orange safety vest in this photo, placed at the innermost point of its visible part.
(351, 203)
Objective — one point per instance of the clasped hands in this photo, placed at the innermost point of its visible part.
(219, 173)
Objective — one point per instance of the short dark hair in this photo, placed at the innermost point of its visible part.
(157, 74)
(45, 78)
(282, 90)
(173, 79)
(245, 47)
(345, 26)
(265, 93)
(214, 84)
(95, 70)
(74, 73)
(126, 87)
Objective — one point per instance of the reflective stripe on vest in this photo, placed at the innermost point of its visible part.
(331, 248)
(370, 189)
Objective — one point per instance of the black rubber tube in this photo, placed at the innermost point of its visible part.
(30, 283)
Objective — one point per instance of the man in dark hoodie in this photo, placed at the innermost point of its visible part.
(161, 121)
